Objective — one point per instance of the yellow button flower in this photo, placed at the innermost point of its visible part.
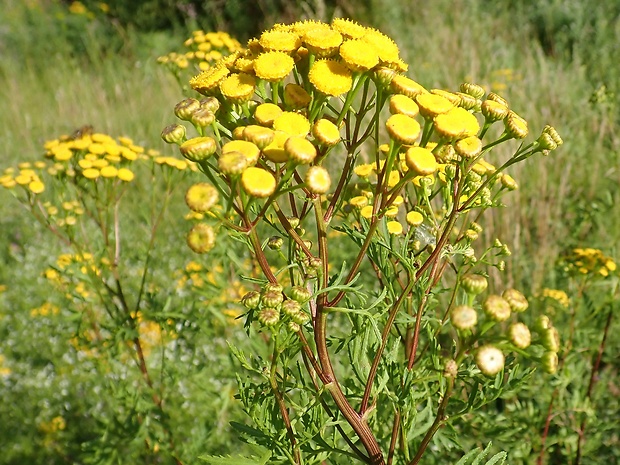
(421, 160)
(358, 55)
(258, 182)
(266, 113)
(322, 41)
(415, 218)
(330, 77)
(248, 149)
(348, 28)
(394, 227)
(280, 40)
(432, 105)
(318, 180)
(456, 123)
(403, 129)
(296, 96)
(403, 85)
(293, 124)
(404, 105)
(273, 66)
(326, 132)
(207, 81)
(238, 88)
(469, 147)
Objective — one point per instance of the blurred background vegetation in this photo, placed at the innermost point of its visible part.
(67, 64)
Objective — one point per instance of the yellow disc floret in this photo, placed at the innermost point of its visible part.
(330, 77)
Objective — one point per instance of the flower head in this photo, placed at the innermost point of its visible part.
(238, 88)
(490, 360)
(201, 197)
(456, 123)
(201, 238)
(421, 160)
(248, 149)
(432, 105)
(273, 66)
(318, 180)
(293, 124)
(300, 150)
(330, 77)
(258, 182)
(496, 308)
(359, 55)
(280, 40)
(403, 128)
(266, 113)
(322, 41)
(403, 85)
(296, 96)
(326, 132)
(348, 28)
(463, 317)
(207, 81)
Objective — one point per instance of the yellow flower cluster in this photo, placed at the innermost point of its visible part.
(558, 295)
(589, 261)
(203, 49)
(72, 274)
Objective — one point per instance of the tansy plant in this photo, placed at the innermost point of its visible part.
(84, 190)
(360, 195)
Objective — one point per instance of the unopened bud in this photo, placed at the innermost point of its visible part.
(186, 108)
(515, 126)
(517, 301)
(269, 316)
(203, 117)
(451, 369)
(210, 103)
(550, 362)
(550, 339)
(490, 360)
(275, 242)
(272, 299)
(300, 294)
(496, 308)
(251, 300)
(520, 335)
(474, 90)
(542, 324)
(174, 134)
(474, 284)
(463, 317)
(198, 149)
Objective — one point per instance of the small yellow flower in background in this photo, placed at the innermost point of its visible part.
(330, 77)
(266, 113)
(394, 227)
(359, 201)
(318, 180)
(558, 295)
(238, 88)
(258, 182)
(125, 174)
(404, 105)
(201, 238)
(365, 170)
(36, 186)
(201, 197)
(359, 55)
(293, 124)
(421, 160)
(91, 173)
(456, 123)
(403, 129)
(415, 218)
(273, 66)
(109, 171)
(366, 212)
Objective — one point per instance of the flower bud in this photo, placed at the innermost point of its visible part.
(275, 242)
(490, 360)
(269, 316)
(469, 102)
(251, 300)
(259, 135)
(198, 149)
(201, 197)
(542, 324)
(463, 317)
(554, 134)
(295, 96)
(474, 90)
(272, 299)
(497, 98)
(273, 287)
(293, 327)
(550, 339)
(291, 307)
(515, 126)
(474, 284)
(519, 334)
(546, 142)
(508, 182)
(301, 318)
(201, 238)
(517, 301)
(550, 362)
(300, 294)
(173, 134)
(203, 117)
(496, 308)
(210, 104)
(232, 163)
(318, 180)
(185, 108)
(384, 76)
(471, 235)
(451, 369)
(493, 111)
